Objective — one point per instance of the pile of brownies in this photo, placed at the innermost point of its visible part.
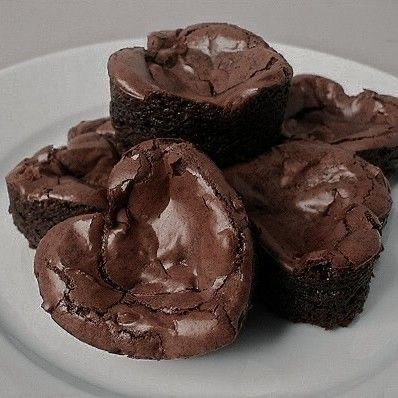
(219, 179)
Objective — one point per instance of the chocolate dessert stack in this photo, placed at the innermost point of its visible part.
(146, 248)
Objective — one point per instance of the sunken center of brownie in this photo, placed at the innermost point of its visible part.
(208, 62)
(318, 108)
(76, 172)
(164, 252)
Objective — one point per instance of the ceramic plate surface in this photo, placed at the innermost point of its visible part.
(39, 101)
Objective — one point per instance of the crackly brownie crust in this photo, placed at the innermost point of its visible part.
(367, 123)
(317, 213)
(58, 183)
(216, 85)
(166, 272)
(103, 127)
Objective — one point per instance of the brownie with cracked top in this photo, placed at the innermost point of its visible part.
(102, 126)
(216, 85)
(58, 183)
(166, 272)
(367, 123)
(318, 211)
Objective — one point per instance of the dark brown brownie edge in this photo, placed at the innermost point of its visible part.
(385, 158)
(228, 137)
(320, 297)
(34, 218)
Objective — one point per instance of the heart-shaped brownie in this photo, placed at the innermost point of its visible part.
(216, 85)
(58, 183)
(166, 272)
(367, 123)
(318, 212)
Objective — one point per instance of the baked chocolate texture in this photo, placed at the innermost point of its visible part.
(101, 126)
(317, 212)
(216, 85)
(367, 123)
(58, 183)
(166, 272)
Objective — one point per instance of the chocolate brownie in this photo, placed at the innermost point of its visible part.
(102, 126)
(317, 211)
(166, 273)
(57, 183)
(367, 123)
(216, 85)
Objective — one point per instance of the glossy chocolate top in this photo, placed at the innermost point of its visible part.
(102, 126)
(167, 273)
(314, 202)
(215, 62)
(319, 109)
(75, 173)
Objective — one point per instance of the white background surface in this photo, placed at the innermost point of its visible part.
(361, 30)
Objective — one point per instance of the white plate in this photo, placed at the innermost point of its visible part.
(39, 100)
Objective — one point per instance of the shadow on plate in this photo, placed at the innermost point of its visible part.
(261, 328)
